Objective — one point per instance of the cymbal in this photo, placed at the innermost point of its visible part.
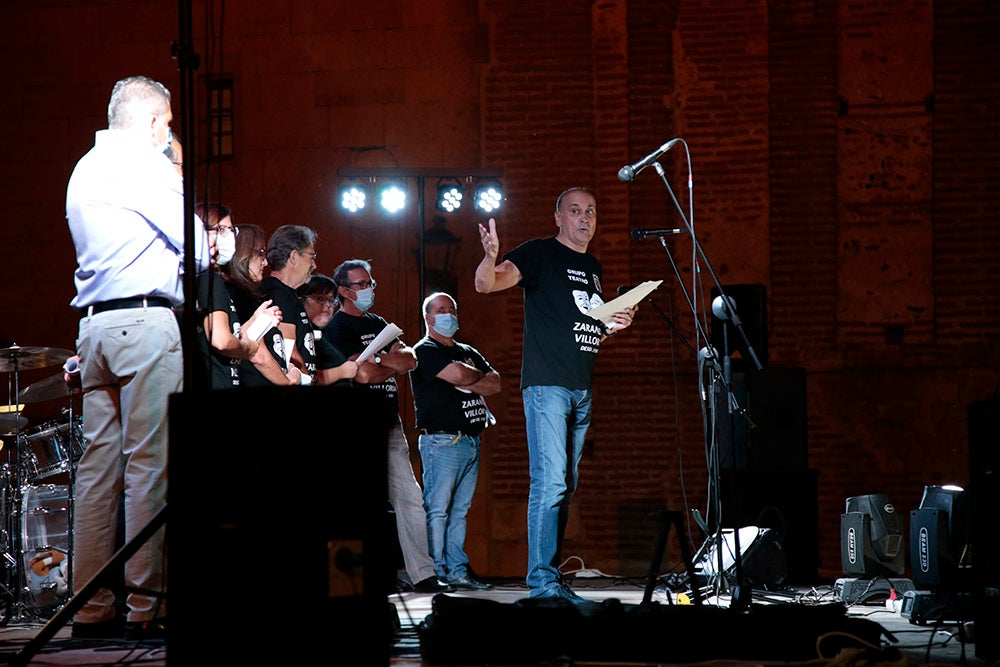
(44, 390)
(17, 357)
(11, 421)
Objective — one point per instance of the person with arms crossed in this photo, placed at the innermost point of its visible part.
(352, 328)
(561, 283)
(125, 210)
(449, 385)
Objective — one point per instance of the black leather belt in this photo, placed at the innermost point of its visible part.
(132, 302)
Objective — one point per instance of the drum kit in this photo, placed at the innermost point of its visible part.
(36, 537)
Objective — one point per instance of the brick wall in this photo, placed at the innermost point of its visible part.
(843, 155)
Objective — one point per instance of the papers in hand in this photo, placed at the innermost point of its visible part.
(623, 302)
(388, 334)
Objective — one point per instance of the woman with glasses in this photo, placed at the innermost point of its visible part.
(319, 298)
(223, 339)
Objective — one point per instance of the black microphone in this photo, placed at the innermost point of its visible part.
(622, 289)
(640, 233)
(630, 171)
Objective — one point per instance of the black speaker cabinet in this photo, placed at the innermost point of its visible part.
(751, 307)
(776, 434)
(276, 527)
(984, 477)
(777, 405)
(784, 501)
(733, 431)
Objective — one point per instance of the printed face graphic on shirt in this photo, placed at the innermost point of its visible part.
(586, 302)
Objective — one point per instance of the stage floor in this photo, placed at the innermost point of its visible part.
(689, 633)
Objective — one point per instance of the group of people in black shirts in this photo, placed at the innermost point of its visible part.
(321, 326)
(125, 211)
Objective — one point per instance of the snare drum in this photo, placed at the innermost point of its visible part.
(53, 447)
(45, 542)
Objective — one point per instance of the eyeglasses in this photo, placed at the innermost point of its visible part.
(312, 255)
(324, 300)
(225, 230)
(362, 284)
(262, 252)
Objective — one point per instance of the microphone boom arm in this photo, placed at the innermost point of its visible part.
(708, 265)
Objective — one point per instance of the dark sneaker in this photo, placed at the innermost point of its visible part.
(469, 584)
(110, 629)
(138, 631)
(558, 591)
(432, 585)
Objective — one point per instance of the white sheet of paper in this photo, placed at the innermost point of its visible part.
(389, 333)
(626, 300)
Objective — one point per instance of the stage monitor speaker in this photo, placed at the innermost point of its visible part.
(784, 501)
(751, 306)
(762, 557)
(276, 527)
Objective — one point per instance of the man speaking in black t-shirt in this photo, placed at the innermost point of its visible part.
(561, 283)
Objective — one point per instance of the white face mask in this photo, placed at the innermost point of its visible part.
(445, 324)
(162, 148)
(225, 244)
(364, 299)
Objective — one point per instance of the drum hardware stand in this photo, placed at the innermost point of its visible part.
(100, 580)
(16, 584)
(15, 589)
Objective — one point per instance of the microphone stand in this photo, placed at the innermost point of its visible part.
(741, 598)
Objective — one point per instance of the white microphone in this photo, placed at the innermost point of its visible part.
(630, 171)
(72, 366)
(640, 233)
(719, 308)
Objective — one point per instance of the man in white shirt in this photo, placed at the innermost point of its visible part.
(125, 209)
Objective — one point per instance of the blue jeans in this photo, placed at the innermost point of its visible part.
(556, 419)
(451, 468)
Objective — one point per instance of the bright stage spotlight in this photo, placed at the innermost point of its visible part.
(353, 197)
(449, 195)
(392, 196)
(489, 195)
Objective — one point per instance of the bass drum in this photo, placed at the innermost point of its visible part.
(45, 541)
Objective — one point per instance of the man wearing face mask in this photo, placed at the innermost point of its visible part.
(449, 385)
(352, 328)
(125, 211)
(222, 338)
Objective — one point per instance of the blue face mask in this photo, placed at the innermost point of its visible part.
(364, 299)
(446, 324)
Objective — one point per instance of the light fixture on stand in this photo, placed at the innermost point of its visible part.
(449, 195)
(440, 250)
(392, 195)
(489, 195)
(353, 197)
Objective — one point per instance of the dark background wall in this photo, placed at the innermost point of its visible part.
(844, 158)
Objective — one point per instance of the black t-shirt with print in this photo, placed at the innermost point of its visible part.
(560, 340)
